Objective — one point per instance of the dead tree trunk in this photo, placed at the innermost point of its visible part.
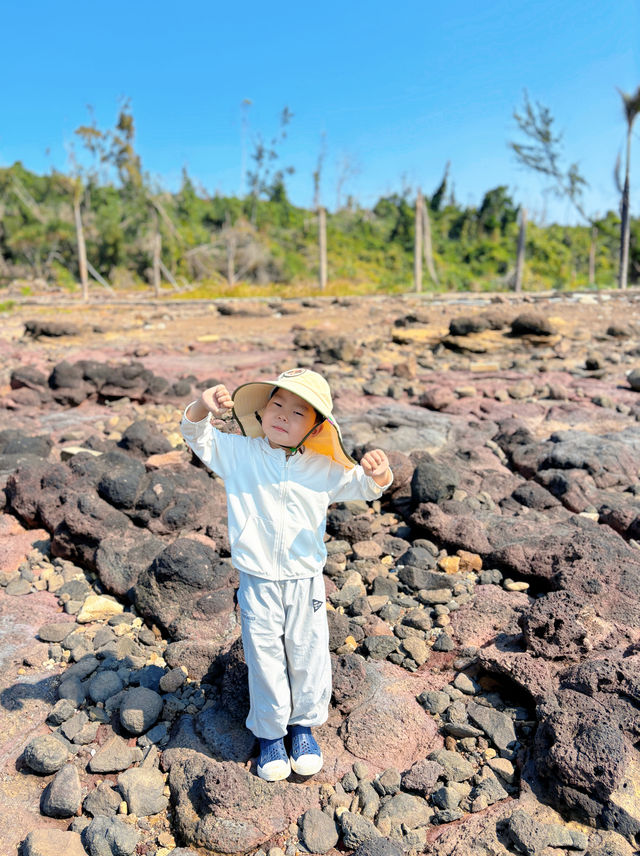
(592, 256)
(157, 249)
(322, 247)
(417, 247)
(428, 248)
(82, 248)
(521, 245)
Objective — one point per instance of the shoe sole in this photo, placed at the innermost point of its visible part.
(307, 765)
(274, 771)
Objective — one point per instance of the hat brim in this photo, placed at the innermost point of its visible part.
(250, 398)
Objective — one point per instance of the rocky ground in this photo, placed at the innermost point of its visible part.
(484, 616)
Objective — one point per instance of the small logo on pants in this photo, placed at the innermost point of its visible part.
(316, 604)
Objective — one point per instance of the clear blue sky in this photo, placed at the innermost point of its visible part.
(398, 89)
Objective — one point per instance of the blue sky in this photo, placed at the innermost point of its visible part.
(397, 90)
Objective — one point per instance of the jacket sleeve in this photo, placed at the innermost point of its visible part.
(215, 449)
(354, 484)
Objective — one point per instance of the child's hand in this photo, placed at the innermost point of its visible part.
(217, 399)
(375, 464)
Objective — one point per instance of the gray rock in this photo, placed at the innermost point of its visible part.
(84, 667)
(490, 790)
(142, 789)
(62, 796)
(356, 829)
(379, 847)
(110, 836)
(528, 835)
(361, 770)
(103, 685)
(56, 631)
(114, 756)
(157, 734)
(349, 781)
(444, 642)
(102, 801)
(466, 684)
(446, 797)
(140, 709)
(433, 481)
(71, 727)
(46, 754)
(633, 379)
(172, 681)
(368, 799)
(403, 811)
(61, 711)
(52, 842)
(388, 782)
(455, 767)
(19, 587)
(496, 725)
(319, 831)
(73, 690)
(434, 701)
(379, 647)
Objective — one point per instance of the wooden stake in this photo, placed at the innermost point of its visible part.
(417, 247)
(322, 247)
(521, 246)
(82, 249)
(592, 255)
(428, 249)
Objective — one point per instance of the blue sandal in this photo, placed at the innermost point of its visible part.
(273, 763)
(306, 757)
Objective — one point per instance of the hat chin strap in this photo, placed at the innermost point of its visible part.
(293, 449)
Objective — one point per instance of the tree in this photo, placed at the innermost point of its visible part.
(631, 106)
(347, 168)
(544, 154)
(264, 179)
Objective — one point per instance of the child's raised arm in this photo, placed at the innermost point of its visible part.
(376, 465)
(214, 400)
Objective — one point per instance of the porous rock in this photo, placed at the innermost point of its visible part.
(226, 809)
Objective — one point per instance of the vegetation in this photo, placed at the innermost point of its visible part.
(201, 245)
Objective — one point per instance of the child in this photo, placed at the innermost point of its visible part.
(279, 478)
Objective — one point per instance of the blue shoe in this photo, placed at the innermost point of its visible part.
(306, 757)
(273, 763)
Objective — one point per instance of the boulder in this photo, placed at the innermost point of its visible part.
(188, 592)
(225, 808)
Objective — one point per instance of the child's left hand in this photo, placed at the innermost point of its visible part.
(375, 463)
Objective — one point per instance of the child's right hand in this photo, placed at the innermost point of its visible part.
(217, 399)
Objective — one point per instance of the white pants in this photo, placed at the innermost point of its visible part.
(286, 647)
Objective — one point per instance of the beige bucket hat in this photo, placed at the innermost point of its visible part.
(250, 398)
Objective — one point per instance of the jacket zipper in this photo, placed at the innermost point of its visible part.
(280, 535)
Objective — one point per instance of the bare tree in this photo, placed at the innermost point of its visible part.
(631, 105)
(348, 168)
(544, 154)
(322, 217)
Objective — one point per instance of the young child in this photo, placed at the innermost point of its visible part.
(280, 477)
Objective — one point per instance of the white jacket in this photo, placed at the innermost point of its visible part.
(277, 506)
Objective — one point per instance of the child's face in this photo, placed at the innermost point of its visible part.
(287, 419)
